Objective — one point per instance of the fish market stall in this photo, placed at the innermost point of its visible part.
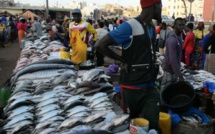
(48, 95)
(204, 85)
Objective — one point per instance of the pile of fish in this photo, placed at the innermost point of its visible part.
(197, 78)
(36, 49)
(29, 56)
(45, 109)
(52, 97)
(44, 70)
(54, 46)
(35, 42)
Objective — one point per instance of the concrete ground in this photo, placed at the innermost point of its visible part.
(8, 59)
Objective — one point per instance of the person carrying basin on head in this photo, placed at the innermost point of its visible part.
(78, 30)
(139, 68)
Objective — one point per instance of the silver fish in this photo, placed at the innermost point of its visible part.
(18, 118)
(64, 94)
(56, 118)
(39, 67)
(80, 90)
(81, 114)
(73, 99)
(36, 99)
(11, 127)
(42, 125)
(77, 109)
(22, 114)
(49, 115)
(20, 125)
(81, 127)
(14, 115)
(47, 131)
(41, 74)
(48, 95)
(18, 95)
(25, 83)
(68, 123)
(64, 91)
(26, 98)
(55, 124)
(61, 78)
(94, 117)
(99, 125)
(47, 108)
(103, 104)
(107, 126)
(97, 95)
(21, 89)
(73, 104)
(59, 87)
(119, 119)
(98, 101)
(56, 60)
(20, 110)
(89, 75)
(50, 101)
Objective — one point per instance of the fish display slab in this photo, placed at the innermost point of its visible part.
(44, 94)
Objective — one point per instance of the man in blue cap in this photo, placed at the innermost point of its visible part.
(80, 31)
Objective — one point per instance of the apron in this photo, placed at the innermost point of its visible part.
(79, 48)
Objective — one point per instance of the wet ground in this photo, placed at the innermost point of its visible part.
(8, 59)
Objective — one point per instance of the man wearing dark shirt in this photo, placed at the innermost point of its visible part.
(172, 62)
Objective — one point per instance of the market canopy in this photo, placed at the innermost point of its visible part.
(6, 13)
(29, 14)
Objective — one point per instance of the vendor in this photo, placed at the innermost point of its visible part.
(172, 62)
(78, 30)
(139, 71)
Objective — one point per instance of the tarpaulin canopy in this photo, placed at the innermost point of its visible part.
(29, 14)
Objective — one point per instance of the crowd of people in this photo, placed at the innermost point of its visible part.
(195, 42)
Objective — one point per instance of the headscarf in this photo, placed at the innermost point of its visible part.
(148, 3)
